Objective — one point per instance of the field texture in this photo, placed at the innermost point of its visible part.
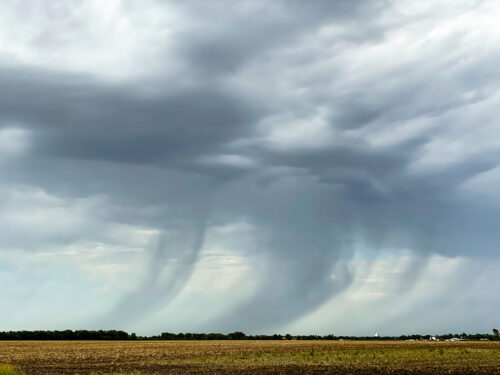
(250, 357)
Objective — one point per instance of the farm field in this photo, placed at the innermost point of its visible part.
(250, 357)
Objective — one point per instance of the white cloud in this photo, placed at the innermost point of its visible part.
(14, 142)
(237, 161)
(115, 39)
(484, 183)
(286, 132)
(34, 220)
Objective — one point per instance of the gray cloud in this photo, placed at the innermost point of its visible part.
(172, 262)
(324, 125)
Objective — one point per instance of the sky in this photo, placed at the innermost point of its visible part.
(287, 166)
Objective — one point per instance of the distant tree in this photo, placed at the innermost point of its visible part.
(236, 335)
(496, 333)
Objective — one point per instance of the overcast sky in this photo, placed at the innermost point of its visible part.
(265, 166)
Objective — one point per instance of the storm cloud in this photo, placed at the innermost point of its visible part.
(334, 130)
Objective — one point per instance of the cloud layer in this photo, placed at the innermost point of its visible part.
(134, 138)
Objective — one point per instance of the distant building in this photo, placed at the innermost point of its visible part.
(376, 335)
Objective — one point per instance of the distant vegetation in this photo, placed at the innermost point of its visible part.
(122, 335)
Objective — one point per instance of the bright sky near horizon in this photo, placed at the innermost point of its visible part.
(283, 166)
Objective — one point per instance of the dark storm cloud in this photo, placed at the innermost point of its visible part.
(85, 121)
(178, 156)
(233, 37)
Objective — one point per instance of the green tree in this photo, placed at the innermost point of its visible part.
(236, 335)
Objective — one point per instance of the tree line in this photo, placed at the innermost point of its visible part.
(122, 335)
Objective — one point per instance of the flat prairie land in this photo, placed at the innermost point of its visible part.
(250, 357)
